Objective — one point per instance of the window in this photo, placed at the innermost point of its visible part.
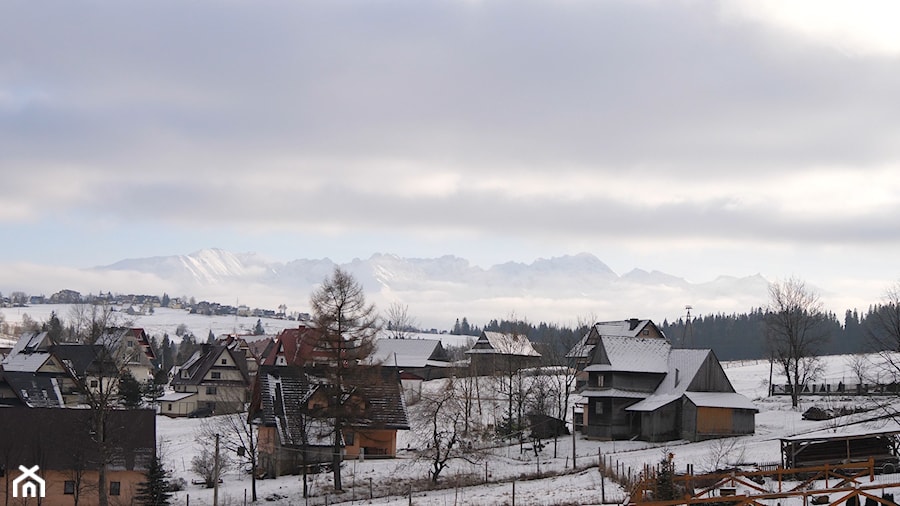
(224, 361)
(94, 383)
(216, 375)
(69, 487)
(598, 408)
(349, 438)
(130, 344)
(115, 488)
(210, 390)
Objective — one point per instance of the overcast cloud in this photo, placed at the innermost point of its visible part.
(694, 137)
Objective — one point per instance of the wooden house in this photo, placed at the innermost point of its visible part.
(639, 386)
(498, 352)
(289, 407)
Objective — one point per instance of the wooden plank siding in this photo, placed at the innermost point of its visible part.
(714, 421)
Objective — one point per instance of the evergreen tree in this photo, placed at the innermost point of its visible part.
(166, 354)
(130, 391)
(54, 328)
(155, 491)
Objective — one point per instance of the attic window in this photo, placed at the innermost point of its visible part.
(224, 361)
(185, 374)
(645, 332)
(677, 376)
(280, 361)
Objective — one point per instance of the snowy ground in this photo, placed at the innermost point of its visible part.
(559, 485)
(390, 480)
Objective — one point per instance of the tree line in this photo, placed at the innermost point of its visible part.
(735, 336)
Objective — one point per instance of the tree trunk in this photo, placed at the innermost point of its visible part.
(336, 456)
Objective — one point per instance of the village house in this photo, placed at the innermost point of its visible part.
(638, 386)
(131, 348)
(295, 346)
(289, 407)
(414, 361)
(498, 352)
(61, 443)
(214, 380)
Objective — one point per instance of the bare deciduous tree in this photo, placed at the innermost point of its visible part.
(97, 384)
(399, 322)
(795, 332)
(237, 438)
(883, 329)
(442, 433)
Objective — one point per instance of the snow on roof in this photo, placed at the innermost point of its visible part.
(504, 344)
(25, 362)
(885, 426)
(176, 396)
(653, 402)
(720, 400)
(623, 328)
(615, 392)
(406, 352)
(683, 367)
(633, 354)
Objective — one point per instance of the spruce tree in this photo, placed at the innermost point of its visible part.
(130, 392)
(155, 491)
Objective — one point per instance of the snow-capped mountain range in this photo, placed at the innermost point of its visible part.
(437, 291)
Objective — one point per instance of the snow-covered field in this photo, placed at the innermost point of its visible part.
(166, 321)
(559, 485)
(390, 481)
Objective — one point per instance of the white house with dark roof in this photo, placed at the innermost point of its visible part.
(214, 378)
(638, 386)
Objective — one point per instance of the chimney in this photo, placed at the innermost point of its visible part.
(633, 323)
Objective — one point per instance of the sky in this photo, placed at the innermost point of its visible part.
(698, 138)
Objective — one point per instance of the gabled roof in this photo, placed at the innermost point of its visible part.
(498, 343)
(281, 394)
(30, 352)
(296, 345)
(630, 354)
(633, 327)
(35, 390)
(113, 338)
(85, 359)
(684, 367)
(409, 353)
(205, 359)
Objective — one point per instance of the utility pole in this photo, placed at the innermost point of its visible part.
(573, 437)
(216, 477)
